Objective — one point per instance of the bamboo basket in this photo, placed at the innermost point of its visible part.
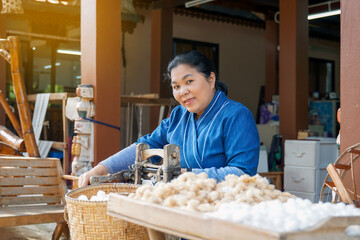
(88, 219)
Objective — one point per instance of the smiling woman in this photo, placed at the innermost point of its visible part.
(216, 135)
(191, 89)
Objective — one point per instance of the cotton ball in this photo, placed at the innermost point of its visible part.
(154, 199)
(213, 196)
(202, 195)
(102, 196)
(94, 198)
(226, 189)
(83, 198)
(202, 175)
(170, 202)
(353, 230)
(193, 204)
(205, 207)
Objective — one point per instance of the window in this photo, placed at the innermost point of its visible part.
(210, 50)
(321, 77)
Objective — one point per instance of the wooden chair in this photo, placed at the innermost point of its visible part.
(32, 191)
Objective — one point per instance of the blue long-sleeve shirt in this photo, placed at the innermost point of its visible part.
(224, 140)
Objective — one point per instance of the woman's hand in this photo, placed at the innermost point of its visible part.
(99, 170)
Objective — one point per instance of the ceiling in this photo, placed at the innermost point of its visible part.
(259, 10)
(250, 11)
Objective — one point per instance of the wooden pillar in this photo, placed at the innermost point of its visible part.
(100, 66)
(349, 74)
(293, 67)
(2, 67)
(161, 54)
(271, 67)
(53, 67)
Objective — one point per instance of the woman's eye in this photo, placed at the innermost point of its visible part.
(189, 81)
(175, 87)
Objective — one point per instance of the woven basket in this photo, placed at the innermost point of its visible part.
(88, 219)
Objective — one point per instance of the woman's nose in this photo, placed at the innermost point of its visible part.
(184, 90)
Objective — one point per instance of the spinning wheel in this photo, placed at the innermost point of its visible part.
(341, 183)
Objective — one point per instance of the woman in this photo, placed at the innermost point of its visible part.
(216, 135)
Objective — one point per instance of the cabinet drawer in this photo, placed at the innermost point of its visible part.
(304, 179)
(311, 196)
(300, 179)
(302, 153)
(303, 195)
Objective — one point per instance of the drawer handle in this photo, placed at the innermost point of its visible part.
(299, 155)
(297, 180)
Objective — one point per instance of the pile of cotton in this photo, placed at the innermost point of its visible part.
(197, 192)
(292, 215)
(100, 196)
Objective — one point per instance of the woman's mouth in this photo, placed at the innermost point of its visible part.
(189, 101)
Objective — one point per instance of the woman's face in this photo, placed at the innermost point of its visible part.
(192, 89)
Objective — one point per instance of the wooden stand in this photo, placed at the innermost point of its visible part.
(146, 100)
(60, 98)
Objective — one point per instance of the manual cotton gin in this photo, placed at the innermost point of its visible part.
(144, 171)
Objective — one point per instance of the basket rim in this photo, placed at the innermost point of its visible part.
(68, 196)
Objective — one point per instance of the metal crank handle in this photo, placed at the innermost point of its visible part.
(99, 179)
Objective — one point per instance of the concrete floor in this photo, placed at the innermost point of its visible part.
(28, 232)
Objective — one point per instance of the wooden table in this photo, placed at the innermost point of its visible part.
(159, 220)
(275, 178)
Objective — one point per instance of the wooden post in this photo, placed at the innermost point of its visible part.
(271, 65)
(53, 66)
(161, 54)
(10, 114)
(349, 74)
(293, 67)
(138, 159)
(101, 67)
(21, 98)
(2, 66)
(171, 158)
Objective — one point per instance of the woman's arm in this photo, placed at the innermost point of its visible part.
(115, 163)
(219, 174)
(126, 157)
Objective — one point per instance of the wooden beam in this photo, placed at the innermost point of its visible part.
(100, 67)
(271, 64)
(161, 54)
(293, 68)
(168, 3)
(253, 5)
(2, 66)
(349, 74)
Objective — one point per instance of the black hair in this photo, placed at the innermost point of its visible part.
(200, 62)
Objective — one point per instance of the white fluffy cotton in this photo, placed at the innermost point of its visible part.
(100, 196)
(83, 197)
(294, 214)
